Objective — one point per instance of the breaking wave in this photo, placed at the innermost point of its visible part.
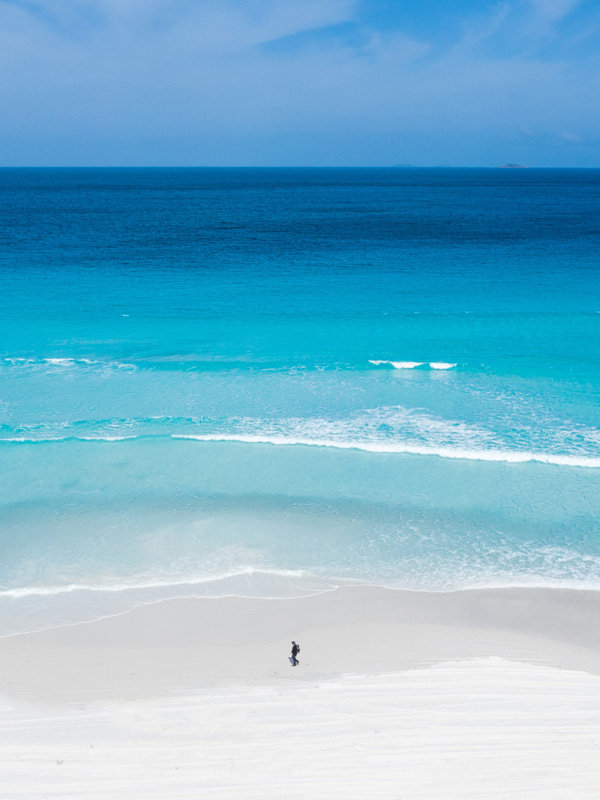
(415, 364)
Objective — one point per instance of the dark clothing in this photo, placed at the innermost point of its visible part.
(295, 651)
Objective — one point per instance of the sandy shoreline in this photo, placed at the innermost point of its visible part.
(179, 646)
(483, 693)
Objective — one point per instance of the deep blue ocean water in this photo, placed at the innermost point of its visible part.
(272, 382)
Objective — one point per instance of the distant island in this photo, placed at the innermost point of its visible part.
(513, 166)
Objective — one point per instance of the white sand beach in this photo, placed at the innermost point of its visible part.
(474, 694)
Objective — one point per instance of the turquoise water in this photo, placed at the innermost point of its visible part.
(273, 382)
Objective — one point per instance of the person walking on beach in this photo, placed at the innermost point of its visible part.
(295, 651)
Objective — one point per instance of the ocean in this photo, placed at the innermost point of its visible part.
(273, 382)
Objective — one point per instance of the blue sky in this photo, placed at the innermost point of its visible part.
(311, 82)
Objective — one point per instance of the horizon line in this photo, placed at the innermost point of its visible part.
(508, 166)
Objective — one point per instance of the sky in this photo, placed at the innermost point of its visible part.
(299, 82)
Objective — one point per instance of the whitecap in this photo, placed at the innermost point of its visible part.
(400, 364)
(414, 364)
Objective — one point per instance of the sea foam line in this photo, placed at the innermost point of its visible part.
(51, 591)
(511, 457)
(415, 364)
(492, 455)
(50, 439)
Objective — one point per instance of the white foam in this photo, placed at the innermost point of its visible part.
(400, 364)
(106, 438)
(53, 591)
(415, 364)
(31, 440)
(41, 440)
(492, 455)
(507, 456)
(66, 362)
(69, 362)
(459, 453)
